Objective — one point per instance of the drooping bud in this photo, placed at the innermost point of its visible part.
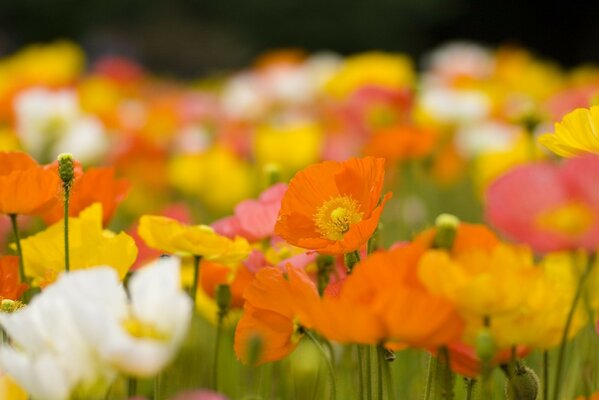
(66, 169)
(447, 228)
(485, 345)
(223, 299)
(522, 383)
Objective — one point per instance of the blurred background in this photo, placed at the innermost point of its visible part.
(185, 38)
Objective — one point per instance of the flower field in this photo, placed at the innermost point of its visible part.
(366, 227)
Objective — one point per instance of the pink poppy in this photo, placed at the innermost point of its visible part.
(549, 207)
(254, 219)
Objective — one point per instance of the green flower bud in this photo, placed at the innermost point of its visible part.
(223, 299)
(485, 345)
(66, 169)
(447, 228)
(522, 384)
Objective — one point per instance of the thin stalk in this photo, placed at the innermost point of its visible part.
(545, 375)
(131, 386)
(368, 373)
(377, 371)
(470, 388)
(564, 341)
(430, 376)
(15, 230)
(157, 386)
(360, 371)
(323, 353)
(67, 193)
(196, 278)
(387, 377)
(219, 328)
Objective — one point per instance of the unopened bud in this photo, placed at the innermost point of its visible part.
(10, 306)
(522, 384)
(272, 172)
(447, 228)
(223, 299)
(485, 345)
(66, 169)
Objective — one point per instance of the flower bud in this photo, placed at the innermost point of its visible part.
(223, 299)
(522, 384)
(485, 345)
(66, 169)
(447, 228)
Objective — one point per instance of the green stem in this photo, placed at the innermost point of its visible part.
(445, 374)
(131, 386)
(377, 371)
(157, 386)
(219, 327)
(196, 278)
(66, 229)
(368, 373)
(469, 388)
(545, 375)
(15, 230)
(564, 341)
(430, 376)
(387, 374)
(333, 385)
(361, 371)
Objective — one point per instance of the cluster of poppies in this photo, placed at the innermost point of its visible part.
(106, 272)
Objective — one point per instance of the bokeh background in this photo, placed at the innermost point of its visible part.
(187, 38)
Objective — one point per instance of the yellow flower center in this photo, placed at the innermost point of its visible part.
(334, 218)
(572, 219)
(140, 330)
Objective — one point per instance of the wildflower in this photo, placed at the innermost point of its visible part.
(137, 334)
(401, 143)
(10, 285)
(90, 245)
(575, 134)
(549, 207)
(49, 356)
(291, 146)
(254, 219)
(333, 207)
(95, 185)
(173, 237)
(25, 187)
(540, 321)
(270, 312)
(371, 69)
(10, 390)
(50, 122)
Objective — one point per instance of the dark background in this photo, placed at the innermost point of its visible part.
(187, 38)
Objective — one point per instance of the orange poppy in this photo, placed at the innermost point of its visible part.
(25, 187)
(213, 274)
(401, 143)
(270, 313)
(333, 207)
(10, 284)
(96, 185)
(388, 282)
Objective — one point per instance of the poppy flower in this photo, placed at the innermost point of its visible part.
(173, 237)
(401, 143)
(10, 285)
(89, 245)
(333, 207)
(96, 185)
(549, 207)
(254, 219)
(271, 312)
(25, 187)
(575, 134)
